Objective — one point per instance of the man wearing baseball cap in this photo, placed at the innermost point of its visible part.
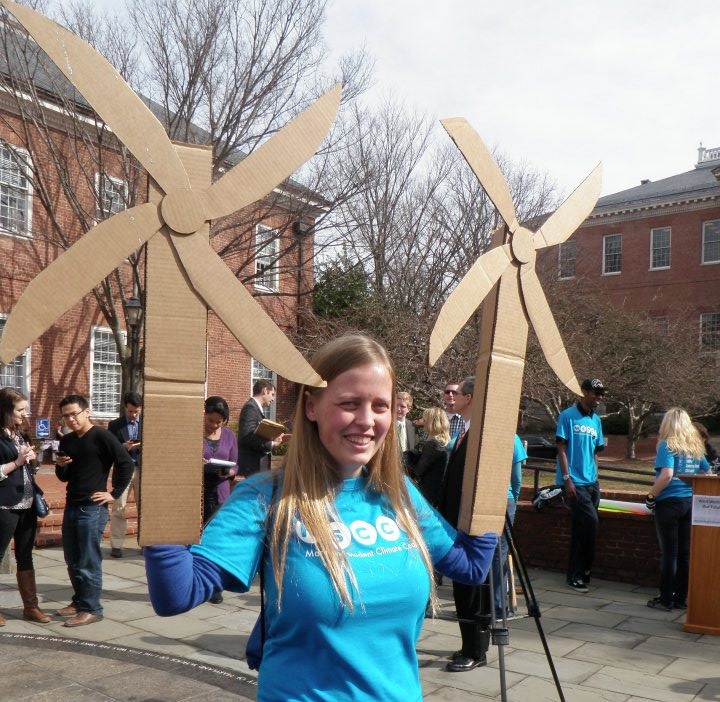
(579, 438)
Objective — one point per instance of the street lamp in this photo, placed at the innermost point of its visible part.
(133, 312)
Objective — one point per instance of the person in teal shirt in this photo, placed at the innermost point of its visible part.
(680, 451)
(346, 542)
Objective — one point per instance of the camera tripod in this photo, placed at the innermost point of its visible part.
(497, 625)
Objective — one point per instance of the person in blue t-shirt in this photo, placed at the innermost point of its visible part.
(345, 541)
(579, 438)
(680, 451)
(500, 574)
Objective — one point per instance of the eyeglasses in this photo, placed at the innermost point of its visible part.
(452, 392)
(71, 415)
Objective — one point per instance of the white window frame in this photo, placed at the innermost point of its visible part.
(606, 239)
(567, 246)
(25, 170)
(25, 359)
(100, 182)
(260, 372)
(103, 413)
(267, 243)
(715, 348)
(660, 249)
(716, 225)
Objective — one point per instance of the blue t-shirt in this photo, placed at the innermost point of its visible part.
(681, 465)
(583, 435)
(315, 648)
(519, 455)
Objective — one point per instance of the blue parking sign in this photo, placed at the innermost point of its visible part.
(42, 427)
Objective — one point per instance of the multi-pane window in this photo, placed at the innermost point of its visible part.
(16, 373)
(710, 332)
(112, 196)
(267, 242)
(711, 242)
(566, 259)
(612, 253)
(660, 247)
(106, 378)
(261, 372)
(15, 193)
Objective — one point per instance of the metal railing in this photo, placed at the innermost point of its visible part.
(547, 465)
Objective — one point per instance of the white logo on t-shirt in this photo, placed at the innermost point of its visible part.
(360, 531)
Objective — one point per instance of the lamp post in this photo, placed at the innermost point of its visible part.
(133, 312)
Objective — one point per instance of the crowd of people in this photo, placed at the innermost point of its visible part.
(351, 536)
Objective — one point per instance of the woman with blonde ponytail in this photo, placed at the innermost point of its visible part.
(346, 543)
(680, 451)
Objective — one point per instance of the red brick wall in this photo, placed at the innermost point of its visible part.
(687, 287)
(626, 549)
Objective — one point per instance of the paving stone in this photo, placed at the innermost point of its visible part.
(654, 627)
(484, 680)
(621, 657)
(597, 634)
(660, 688)
(536, 664)
(670, 647)
(693, 669)
(173, 627)
(586, 616)
(538, 690)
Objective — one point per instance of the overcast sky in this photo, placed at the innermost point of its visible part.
(564, 84)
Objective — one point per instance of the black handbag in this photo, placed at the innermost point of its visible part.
(42, 508)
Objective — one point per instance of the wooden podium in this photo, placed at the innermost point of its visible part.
(703, 612)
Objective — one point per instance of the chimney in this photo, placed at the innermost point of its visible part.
(644, 181)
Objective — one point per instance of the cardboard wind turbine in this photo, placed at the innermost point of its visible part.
(185, 276)
(505, 278)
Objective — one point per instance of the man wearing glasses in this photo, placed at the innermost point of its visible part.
(84, 459)
(450, 395)
(579, 439)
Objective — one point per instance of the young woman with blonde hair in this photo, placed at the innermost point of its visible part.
(429, 469)
(680, 451)
(351, 545)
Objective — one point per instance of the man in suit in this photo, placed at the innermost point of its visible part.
(253, 451)
(472, 602)
(452, 391)
(405, 428)
(127, 428)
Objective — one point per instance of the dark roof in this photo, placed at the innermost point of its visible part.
(697, 184)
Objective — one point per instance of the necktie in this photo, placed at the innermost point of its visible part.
(402, 436)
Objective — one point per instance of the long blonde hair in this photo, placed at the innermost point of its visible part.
(311, 476)
(436, 424)
(682, 438)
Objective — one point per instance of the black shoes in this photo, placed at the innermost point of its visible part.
(116, 552)
(459, 662)
(217, 598)
(578, 585)
(657, 603)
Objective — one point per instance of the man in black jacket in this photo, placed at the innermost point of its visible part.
(84, 459)
(254, 451)
(472, 602)
(127, 429)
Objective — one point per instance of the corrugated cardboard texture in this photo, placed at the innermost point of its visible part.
(175, 372)
(498, 382)
(505, 276)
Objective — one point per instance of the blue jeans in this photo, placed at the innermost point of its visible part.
(673, 518)
(82, 531)
(584, 524)
(500, 580)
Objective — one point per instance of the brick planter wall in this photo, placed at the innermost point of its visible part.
(626, 549)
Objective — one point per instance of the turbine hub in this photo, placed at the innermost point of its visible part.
(184, 210)
(523, 245)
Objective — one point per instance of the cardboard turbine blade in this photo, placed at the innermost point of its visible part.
(516, 298)
(183, 272)
(111, 97)
(56, 289)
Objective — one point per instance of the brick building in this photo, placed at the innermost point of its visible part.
(270, 245)
(655, 248)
